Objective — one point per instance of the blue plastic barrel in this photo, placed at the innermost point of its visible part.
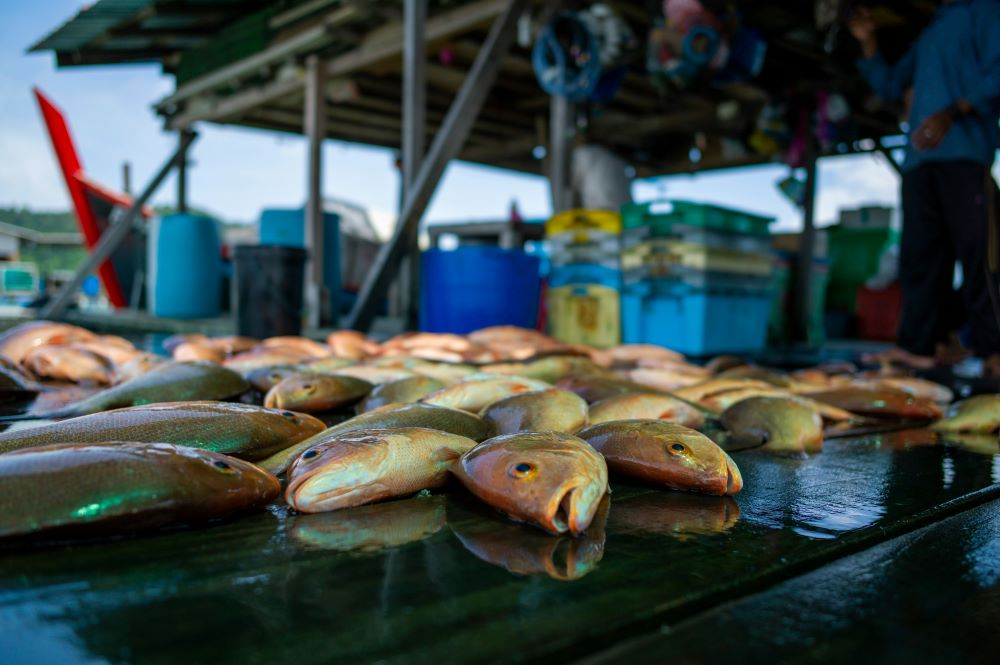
(468, 288)
(185, 267)
(286, 227)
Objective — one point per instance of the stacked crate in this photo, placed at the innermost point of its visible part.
(696, 278)
(584, 300)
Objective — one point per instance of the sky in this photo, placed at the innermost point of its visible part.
(236, 172)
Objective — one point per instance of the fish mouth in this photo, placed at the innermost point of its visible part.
(569, 511)
(734, 479)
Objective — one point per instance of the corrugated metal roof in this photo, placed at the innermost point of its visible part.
(89, 23)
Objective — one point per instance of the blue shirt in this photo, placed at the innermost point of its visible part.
(956, 57)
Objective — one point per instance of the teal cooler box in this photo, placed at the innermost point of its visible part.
(286, 228)
(185, 267)
(695, 321)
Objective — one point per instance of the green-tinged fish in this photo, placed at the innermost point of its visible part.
(980, 413)
(722, 401)
(328, 365)
(666, 454)
(174, 382)
(372, 465)
(375, 375)
(408, 390)
(549, 369)
(265, 378)
(390, 416)
(551, 410)
(243, 430)
(646, 406)
(982, 444)
(523, 550)
(446, 373)
(371, 528)
(98, 489)
(778, 424)
(553, 480)
(675, 514)
(593, 388)
(473, 396)
(316, 393)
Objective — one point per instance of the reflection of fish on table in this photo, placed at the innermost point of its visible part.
(371, 528)
(524, 550)
(676, 514)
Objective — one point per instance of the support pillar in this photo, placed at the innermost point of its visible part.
(314, 124)
(182, 203)
(803, 281)
(560, 152)
(414, 129)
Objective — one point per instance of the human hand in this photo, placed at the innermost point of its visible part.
(932, 131)
(862, 27)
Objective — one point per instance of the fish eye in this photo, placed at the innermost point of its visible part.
(307, 386)
(290, 416)
(678, 449)
(222, 466)
(521, 470)
(309, 454)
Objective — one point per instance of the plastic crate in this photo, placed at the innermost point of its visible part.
(663, 216)
(583, 226)
(585, 273)
(696, 322)
(586, 254)
(854, 258)
(878, 312)
(662, 254)
(585, 314)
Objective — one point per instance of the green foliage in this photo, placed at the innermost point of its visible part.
(44, 222)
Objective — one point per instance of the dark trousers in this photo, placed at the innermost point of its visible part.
(945, 219)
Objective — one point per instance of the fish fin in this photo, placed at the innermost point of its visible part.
(446, 455)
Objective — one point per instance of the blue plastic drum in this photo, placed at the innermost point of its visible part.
(468, 288)
(185, 267)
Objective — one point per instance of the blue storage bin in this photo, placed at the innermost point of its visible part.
(468, 288)
(696, 322)
(287, 228)
(585, 273)
(185, 267)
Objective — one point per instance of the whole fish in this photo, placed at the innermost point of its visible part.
(593, 388)
(980, 413)
(720, 364)
(375, 375)
(68, 363)
(316, 393)
(97, 489)
(371, 528)
(755, 373)
(263, 356)
(552, 480)
(188, 351)
(390, 416)
(141, 364)
(523, 550)
(675, 514)
(113, 351)
(303, 344)
(173, 382)
(719, 402)
(446, 373)
(173, 341)
(327, 365)
(351, 344)
(17, 341)
(230, 344)
(551, 410)
(633, 353)
(243, 430)
(663, 379)
(778, 424)
(473, 396)
(699, 391)
(549, 369)
(372, 465)
(917, 387)
(880, 403)
(646, 406)
(411, 389)
(666, 454)
(979, 443)
(265, 378)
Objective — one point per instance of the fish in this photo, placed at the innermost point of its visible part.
(17, 341)
(243, 430)
(595, 388)
(699, 391)
(187, 351)
(550, 479)
(390, 416)
(115, 353)
(646, 406)
(665, 454)
(549, 369)
(917, 387)
(303, 344)
(246, 361)
(550, 410)
(633, 353)
(675, 514)
(141, 364)
(879, 403)
(231, 344)
(366, 466)
(316, 393)
(373, 527)
(68, 363)
(328, 365)
(113, 488)
(524, 550)
(473, 396)
(173, 341)
(411, 389)
(265, 378)
(754, 373)
(719, 402)
(173, 382)
(973, 442)
(447, 373)
(720, 364)
(351, 344)
(980, 413)
(376, 375)
(778, 424)
(668, 380)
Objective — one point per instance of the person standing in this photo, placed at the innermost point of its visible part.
(949, 198)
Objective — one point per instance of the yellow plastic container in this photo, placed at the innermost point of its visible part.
(584, 226)
(585, 314)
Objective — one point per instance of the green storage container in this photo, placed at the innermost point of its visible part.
(854, 258)
(662, 216)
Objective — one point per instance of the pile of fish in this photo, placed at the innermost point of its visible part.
(529, 426)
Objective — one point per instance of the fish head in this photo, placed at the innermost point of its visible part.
(294, 427)
(224, 479)
(302, 391)
(551, 479)
(340, 472)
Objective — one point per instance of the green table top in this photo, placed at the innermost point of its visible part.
(429, 578)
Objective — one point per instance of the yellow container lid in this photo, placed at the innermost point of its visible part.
(585, 223)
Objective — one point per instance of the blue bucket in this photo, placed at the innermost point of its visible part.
(185, 266)
(468, 288)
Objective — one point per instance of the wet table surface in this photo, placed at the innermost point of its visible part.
(442, 579)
